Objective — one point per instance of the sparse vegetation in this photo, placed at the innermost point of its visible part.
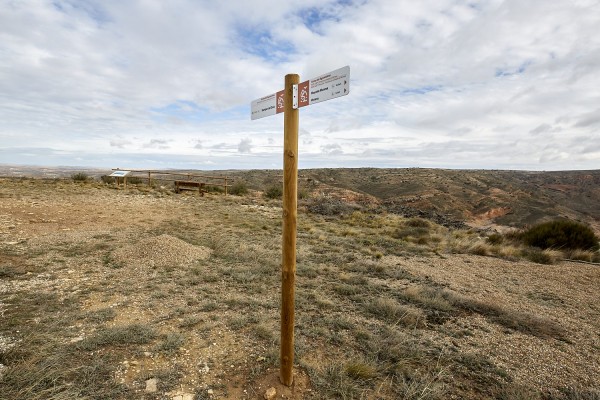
(329, 206)
(239, 188)
(214, 189)
(561, 235)
(107, 179)
(80, 177)
(119, 336)
(274, 192)
(388, 306)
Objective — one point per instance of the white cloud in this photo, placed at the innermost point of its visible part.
(433, 83)
(245, 146)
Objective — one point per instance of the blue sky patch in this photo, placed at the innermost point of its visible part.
(181, 110)
(313, 17)
(260, 42)
(93, 10)
(504, 72)
(421, 90)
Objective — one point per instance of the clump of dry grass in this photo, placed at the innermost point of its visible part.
(449, 303)
(391, 311)
(360, 370)
(583, 255)
(512, 319)
(542, 256)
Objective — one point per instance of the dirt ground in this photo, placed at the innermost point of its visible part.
(184, 267)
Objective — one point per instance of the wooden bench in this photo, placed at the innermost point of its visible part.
(190, 185)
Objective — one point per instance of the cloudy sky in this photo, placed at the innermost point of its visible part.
(496, 84)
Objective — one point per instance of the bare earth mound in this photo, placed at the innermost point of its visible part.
(161, 251)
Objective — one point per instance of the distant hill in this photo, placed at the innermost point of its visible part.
(478, 197)
(512, 198)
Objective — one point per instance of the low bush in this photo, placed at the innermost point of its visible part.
(327, 206)
(561, 235)
(238, 189)
(80, 177)
(274, 192)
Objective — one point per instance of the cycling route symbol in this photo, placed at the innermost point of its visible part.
(280, 101)
(304, 95)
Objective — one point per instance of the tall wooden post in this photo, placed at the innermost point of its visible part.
(290, 203)
(225, 186)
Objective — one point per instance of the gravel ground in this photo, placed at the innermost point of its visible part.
(565, 293)
(80, 220)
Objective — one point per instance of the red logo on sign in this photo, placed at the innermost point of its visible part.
(280, 99)
(303, 94)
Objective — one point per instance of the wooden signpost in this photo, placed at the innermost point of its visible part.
(294, 95)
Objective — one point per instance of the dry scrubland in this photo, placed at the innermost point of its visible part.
(103, 290)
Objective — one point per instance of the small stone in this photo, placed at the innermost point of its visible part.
(205, 369)
(210, 391)
(270, 393)
(147, 353)
(151, 385)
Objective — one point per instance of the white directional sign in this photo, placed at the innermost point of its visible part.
(325, 87)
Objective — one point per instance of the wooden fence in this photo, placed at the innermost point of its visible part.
(156, 175)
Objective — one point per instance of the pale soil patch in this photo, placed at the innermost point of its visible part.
(564, 293)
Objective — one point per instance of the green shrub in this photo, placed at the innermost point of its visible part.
(134, 180)
(239, 189)
(80, 177)
(325, 206)
(274, 192)
(561, 234)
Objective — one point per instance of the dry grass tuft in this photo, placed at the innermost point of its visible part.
(389, 310)
(361, 371)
